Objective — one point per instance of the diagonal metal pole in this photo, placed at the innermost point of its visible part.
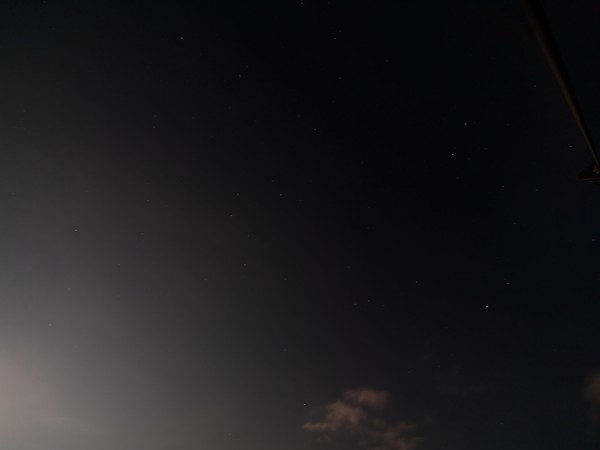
(543, 33)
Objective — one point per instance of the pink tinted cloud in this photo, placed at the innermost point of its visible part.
(591, 394)
(592, 390)
(352, 415)
(395, 437)
(339, 416)
(367, 397)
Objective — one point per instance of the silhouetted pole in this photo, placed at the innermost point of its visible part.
(541, 27)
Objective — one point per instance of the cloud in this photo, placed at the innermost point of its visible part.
(395, 437)
(592, 390)
(339, 416)
(591, 394)
(367, 397)
(353, 415)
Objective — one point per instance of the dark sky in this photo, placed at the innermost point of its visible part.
(304, 225)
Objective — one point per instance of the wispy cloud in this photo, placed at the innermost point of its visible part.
(339, 416)
(367, 397)
(355, 414)
(591, 394)
(397, 436)
(592, 390)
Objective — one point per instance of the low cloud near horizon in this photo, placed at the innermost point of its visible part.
(355, 414)
(592, 396)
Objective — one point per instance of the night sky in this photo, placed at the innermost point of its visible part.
(296, 225)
